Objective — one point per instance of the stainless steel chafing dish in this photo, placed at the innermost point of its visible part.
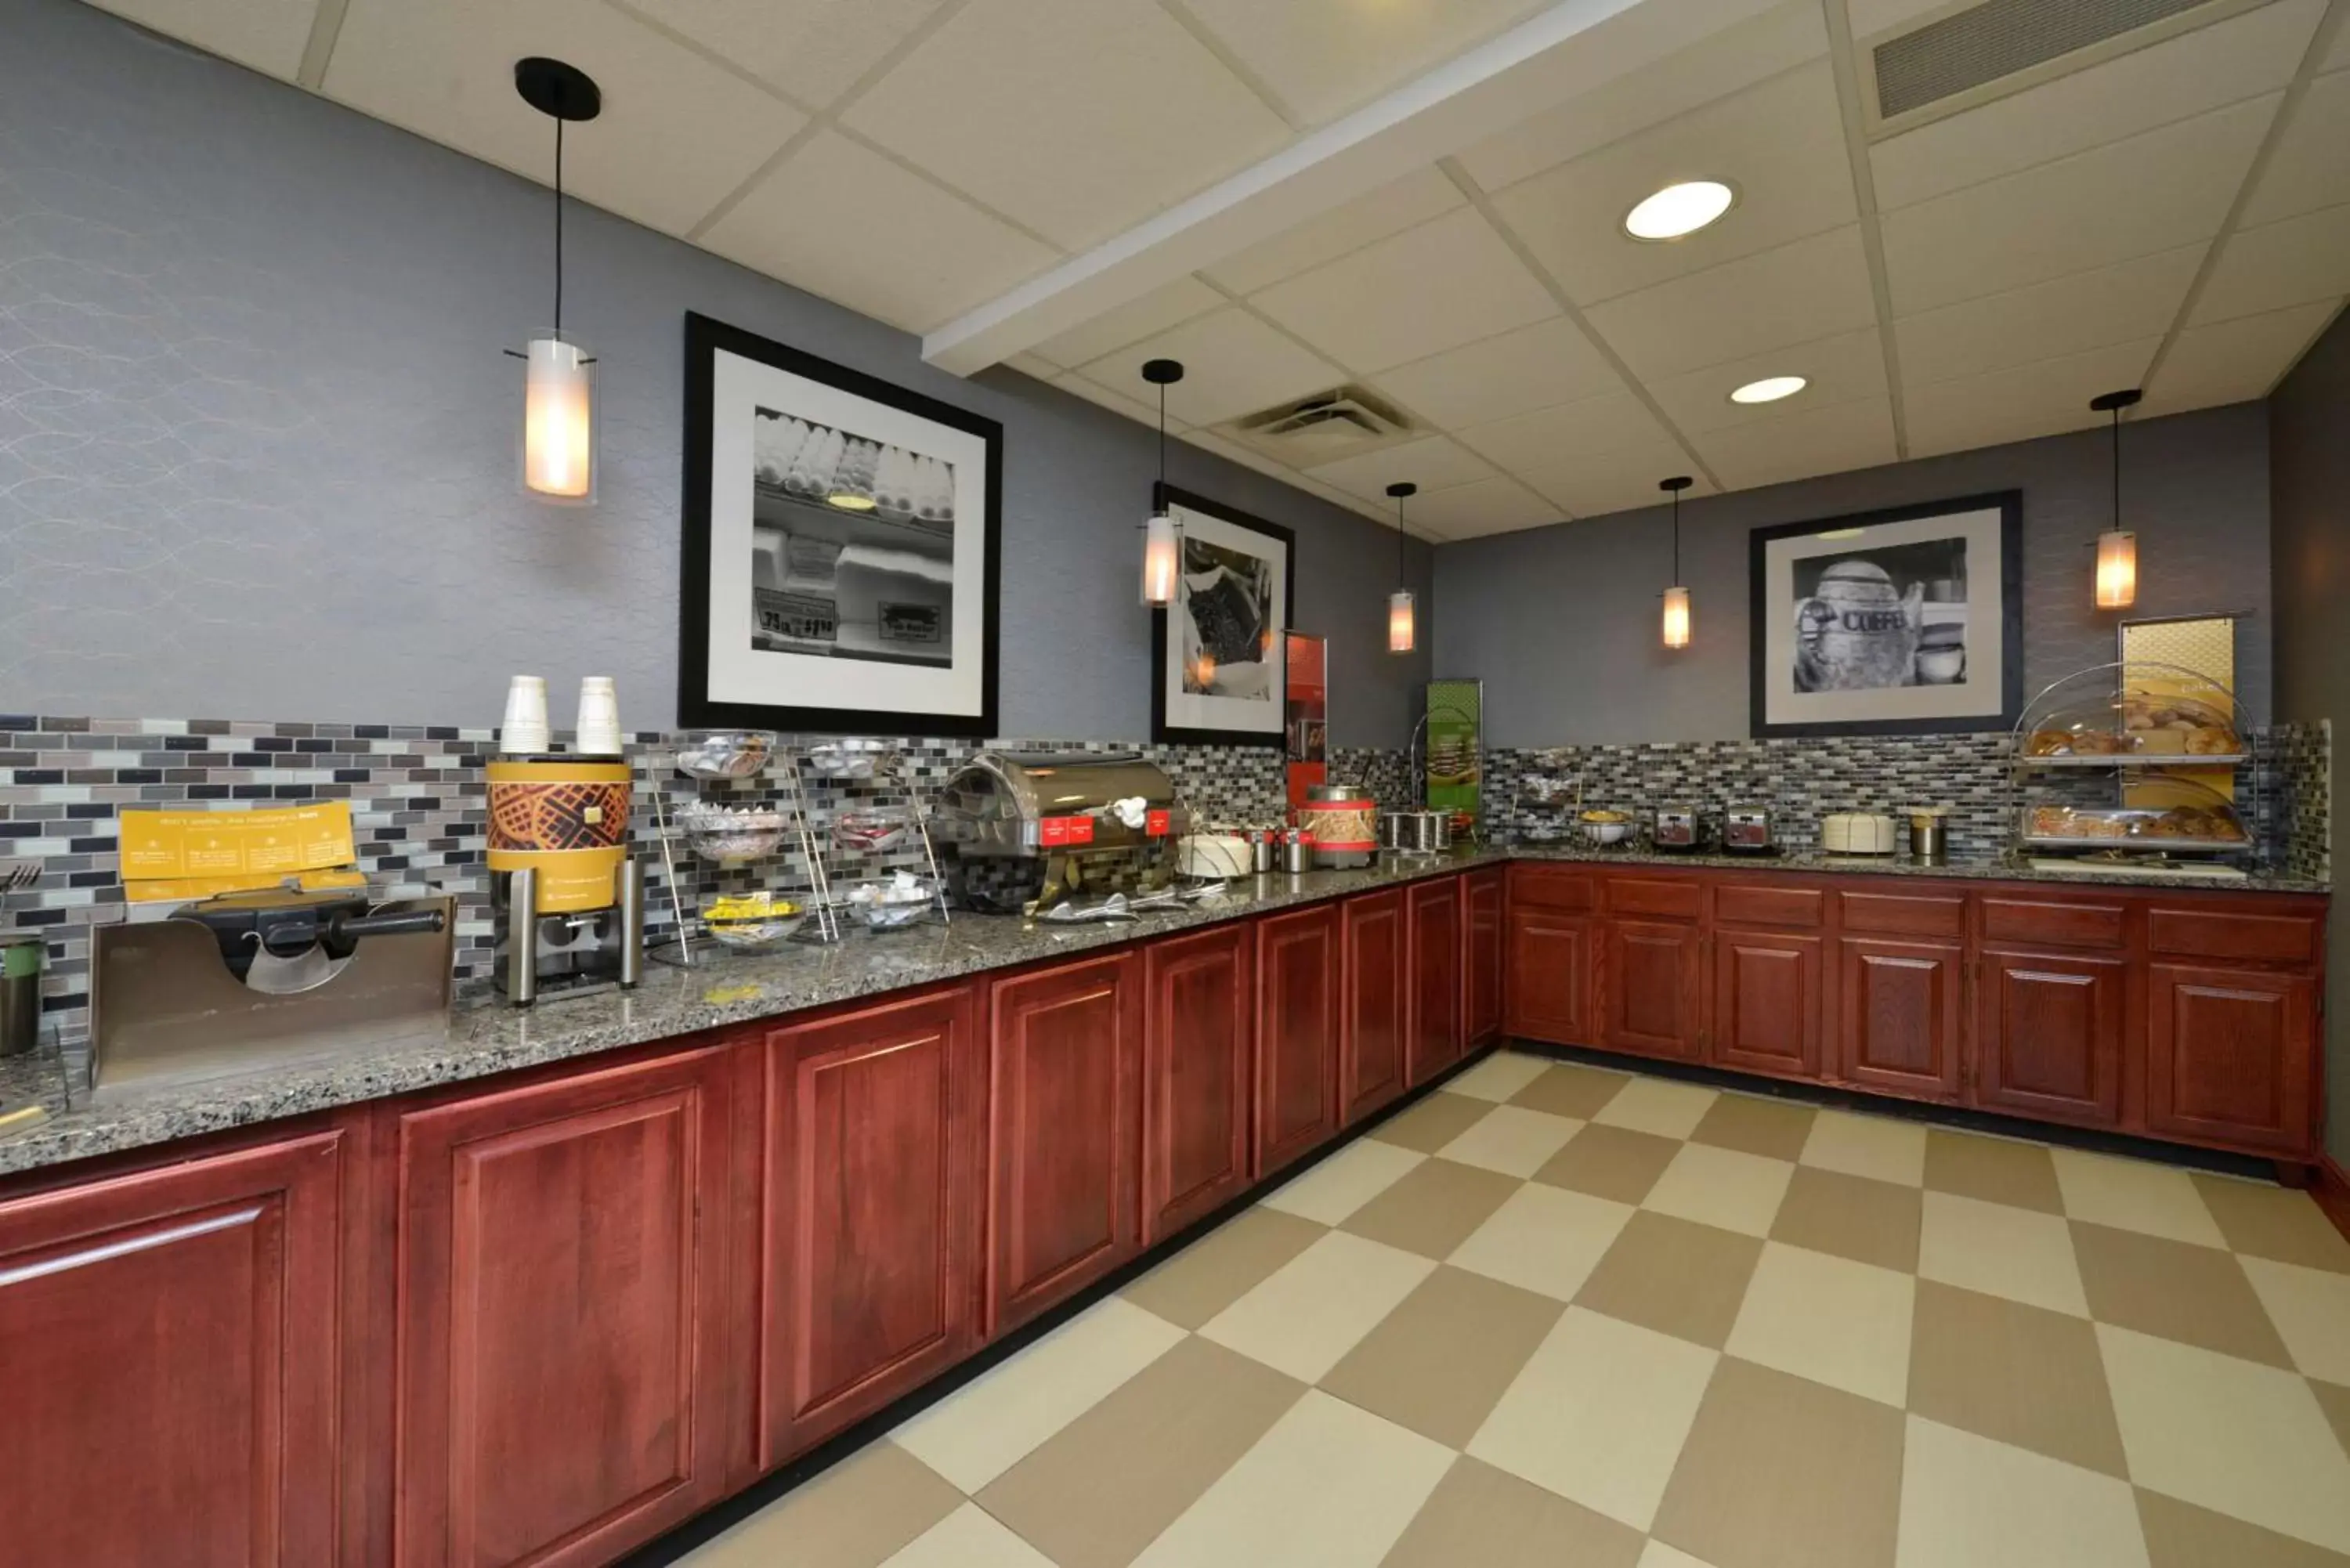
(1021, 831)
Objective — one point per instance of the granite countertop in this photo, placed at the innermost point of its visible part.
(1995, 868)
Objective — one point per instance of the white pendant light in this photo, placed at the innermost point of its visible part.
(1403, 631)
(1677, 597)
(1161, 548)
(2117, 547)
(558, 407)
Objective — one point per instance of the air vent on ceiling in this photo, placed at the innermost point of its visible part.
(1321, 429)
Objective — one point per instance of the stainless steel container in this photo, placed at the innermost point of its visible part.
(1416, 832)
(1020, 832)
(1265, 847)
(1297, 851)
(1929, 835)
(20, 992)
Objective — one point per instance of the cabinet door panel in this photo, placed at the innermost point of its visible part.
(1652, 988)
(1376, 1039)
(1298, 1035)
(2230, 1056)
(1485, 965)
(2048, 1036)
(1898, 1015)
(1432, 1036)
(1552, 968)
(1766, 1002)
(1195, 1088)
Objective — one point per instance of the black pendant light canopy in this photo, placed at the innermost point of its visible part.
(1677, 597)
(1403, 631)
(2117, 578)
(1160, 549)
(558, 433)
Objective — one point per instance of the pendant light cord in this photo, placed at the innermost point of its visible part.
(1677, 538)
(2117, 470)
(558, 227)
(1163, 443)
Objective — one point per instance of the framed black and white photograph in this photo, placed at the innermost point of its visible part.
(1218, 656)
(840, 553)
(1898, 622)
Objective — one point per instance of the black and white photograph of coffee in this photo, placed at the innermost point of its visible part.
(1227, 621)
(1869, 620)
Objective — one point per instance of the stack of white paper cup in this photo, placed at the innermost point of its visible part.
(600, 717)
(523, 730)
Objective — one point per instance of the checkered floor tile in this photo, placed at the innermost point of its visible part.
(1556, 1314)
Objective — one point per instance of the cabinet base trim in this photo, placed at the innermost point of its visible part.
(2332, 1190)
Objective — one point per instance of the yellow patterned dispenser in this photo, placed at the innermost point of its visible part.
(566, 898)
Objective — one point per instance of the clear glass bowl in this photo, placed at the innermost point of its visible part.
(731, 835)
(856, 757)
(749, 922)
(2133, 712)
(872, 830)
(724, 753)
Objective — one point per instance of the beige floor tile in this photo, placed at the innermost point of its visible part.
(1570, 1089)
(1675, 1276)
(1431, 1124)
(1657, 1554)
(1658, 1105)
(2311, 1309)
(2225, 1434)
(1433, 1208)
(1109, 1482)
(1222, 1266)
(2269, 1221)
(1968, 1500)
(2021, 1374)
(1312, 1309)
(1879, 1148)
(1610, 1162)
(1778, 1128)
(1439, 1362)
(2001, 1250)
(2195, 1295)
(1721, 1186)
(2181, 1535)
(1545, 1239)
(1995, 1169)
(1782, 1472)
(2334, 1400)
(1328, 1484)
(2134, 1195)
(1829, 1318)
(987, 1427)
(1498, 1076)
(1344, 1182)
(855, 1515)
(1854, 1217)
(1512, 1140)
(970, 1537)
(1599, 1415)
(1480, 1517)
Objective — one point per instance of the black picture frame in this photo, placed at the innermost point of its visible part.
(705, 339)
(1162, 496)
(1760, 671)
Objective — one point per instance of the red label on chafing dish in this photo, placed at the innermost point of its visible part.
(1055, 832)
(1157, 824)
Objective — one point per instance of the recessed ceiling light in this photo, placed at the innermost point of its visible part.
(1769, 390)
(1681, 208)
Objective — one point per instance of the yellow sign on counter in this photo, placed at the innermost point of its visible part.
(199, 854)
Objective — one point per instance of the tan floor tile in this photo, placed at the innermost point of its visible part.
(1480, 1517)
(1543, 1238)
(2225, 1434)
(2269, 1221)
(2311, 1309)
(1343, 1183)
(1967, 1502)
(1440, 1360)
(1498, 1076)
(1514, 1140)
(1658, 1105)
(1721, 1186)
(2021, 1374)
(1312, 1309)
(1995, 1169)
(1610, 1162)
(1434, 1123)
(2001, 1250)
(1780, 1472)
(2181, 1535)
(1103, 1487)
(1328, 1484)
(970, 1537)
(1778, 1128)
(1675, 1276)
(855, 1515)
(2334, 1400)
(1433, 1208)
(1879, 1148)
(2134, 1195)
(1599, 1415)
(1222, 1266)
(1570, 1089)
(1853, 1217)
(1829, 1318)
(2195, 1295)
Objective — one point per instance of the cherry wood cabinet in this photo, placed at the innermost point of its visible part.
(1433, 1011)
(1768, 1002)
(2230, 1056)
(562, 1262)
(1652, 989)
(1377, 985)
(2048, 1036)
(1197, 1047)
(1552, 968)
(871, 1136)
(1484, 959)
(1898, 1015)
(1298, 1028)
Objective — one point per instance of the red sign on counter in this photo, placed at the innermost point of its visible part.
(1060, 832)
(1157, 824)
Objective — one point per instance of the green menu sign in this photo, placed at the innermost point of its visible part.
(1456, 745)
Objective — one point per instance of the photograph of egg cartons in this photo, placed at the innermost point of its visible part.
(852, 544)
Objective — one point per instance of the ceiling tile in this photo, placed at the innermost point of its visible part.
(1432, 462)
(677, 133)
(1813, 288)
(1077, 118)
(2308, 169)
(812, 50)
(2151, 192)
(268, 34)
(1737, 57)
(2234, 361)
(1390, 210)
(2255, 53)
(1799, 445)
(1322, 60)
(1234, 365)
(1496, 505)
(1841, 369)
(1384, 305)
(1030, 364)
(1134, 408)
(2072, 314)
(1618, 481)
(2044, 398)
(890, 243)
(2295, 262)
(2337, 59)
(1531, 368)
(1132, 322)
(1549, 438)
(1871, 17)
(1781, 144)
(1249, 457)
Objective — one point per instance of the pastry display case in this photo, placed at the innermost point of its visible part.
(2135, 759)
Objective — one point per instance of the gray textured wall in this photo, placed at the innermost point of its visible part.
(256, 436)
(1562, 622)
(2308, 456)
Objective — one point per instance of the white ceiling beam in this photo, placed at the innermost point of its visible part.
(1570, 48)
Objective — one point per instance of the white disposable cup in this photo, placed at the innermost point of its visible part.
(600, 717)
(524, 729)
